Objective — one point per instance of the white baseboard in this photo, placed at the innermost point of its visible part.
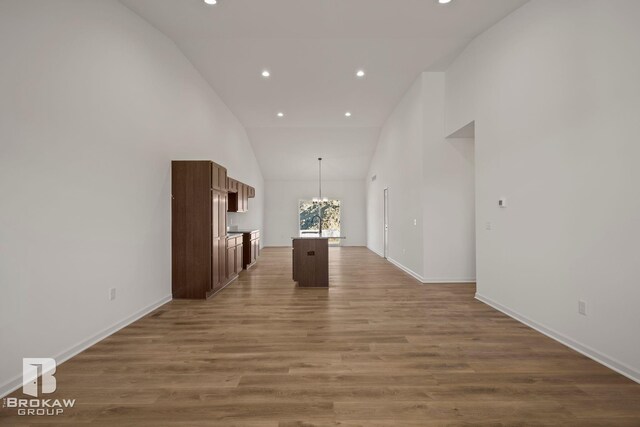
(15, 383)
(406, 270)
(585, 350)
(380, 254)
(421, 279)
(435, 281)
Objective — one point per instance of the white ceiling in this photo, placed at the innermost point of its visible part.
(313, 49)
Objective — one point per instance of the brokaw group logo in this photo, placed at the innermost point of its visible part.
(32, 369)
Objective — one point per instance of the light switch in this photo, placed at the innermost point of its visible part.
(582, 308)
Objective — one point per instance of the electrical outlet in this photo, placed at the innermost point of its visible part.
(112, 294)
(582, 308)
(415, 222)
(487, 226)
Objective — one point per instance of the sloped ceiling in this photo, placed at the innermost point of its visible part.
(313, 49)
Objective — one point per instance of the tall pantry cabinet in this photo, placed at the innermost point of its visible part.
(199, 198)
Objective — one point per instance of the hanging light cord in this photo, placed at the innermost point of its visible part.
(320, 177)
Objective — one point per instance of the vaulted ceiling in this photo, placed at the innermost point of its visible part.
(312, 50)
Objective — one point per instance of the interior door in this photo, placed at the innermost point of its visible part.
(386, 223)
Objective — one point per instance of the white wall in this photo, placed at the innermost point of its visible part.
(281, 209)
(555, 95)
(431, 189)
(95, 103)
(448, 193)
(397, 165)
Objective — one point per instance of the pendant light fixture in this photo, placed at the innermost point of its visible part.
(320, 178)
(319, 198)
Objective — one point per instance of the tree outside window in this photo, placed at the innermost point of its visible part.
(309, 210)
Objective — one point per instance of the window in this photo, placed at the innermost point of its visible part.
(308, 213)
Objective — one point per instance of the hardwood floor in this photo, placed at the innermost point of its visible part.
(375, 349)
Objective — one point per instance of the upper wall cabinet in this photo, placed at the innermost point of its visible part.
(239, 195)
(232, 184)
(219, 179)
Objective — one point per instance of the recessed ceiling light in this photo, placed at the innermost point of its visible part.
(444, 1)
(266, 73)
(211, 1)
(360, 73)
(347, 114)
(280, 114)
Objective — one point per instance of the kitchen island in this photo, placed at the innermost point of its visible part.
(311, 261)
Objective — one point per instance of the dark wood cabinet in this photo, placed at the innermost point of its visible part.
(219, 221)
(239, 255)
(239, 195)
(204, 258)
(311, 262)
(198, 228)
(218, 177)
(251, 248)
(234, 256)
(242, 198)
(231, 262)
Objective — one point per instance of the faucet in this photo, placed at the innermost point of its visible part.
(320, 223)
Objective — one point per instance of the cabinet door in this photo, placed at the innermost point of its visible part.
(245, 198)
(218, 176)
(222, 173)
(239, 259)
(215, 230)
(253, 251)
(215, 176)
(215, 213)
(218, 240)
(222, 226)
(216, 279)
(231, 262)
(222, 214)
(219, 231)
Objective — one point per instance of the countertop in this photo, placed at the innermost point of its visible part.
(236, 233)
(319, 238)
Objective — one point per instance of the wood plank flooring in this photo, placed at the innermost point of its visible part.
(375, 349)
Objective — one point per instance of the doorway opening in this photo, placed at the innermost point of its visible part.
(463, 141)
